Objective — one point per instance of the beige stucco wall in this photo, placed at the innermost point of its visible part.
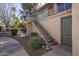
(75, 29)
(53, 25)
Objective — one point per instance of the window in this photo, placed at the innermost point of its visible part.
(63, 6)
(60, 7)
(68, 6)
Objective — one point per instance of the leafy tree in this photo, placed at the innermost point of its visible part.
(6, 14)
(16, 23)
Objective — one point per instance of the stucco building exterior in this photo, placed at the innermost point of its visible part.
(61, 21)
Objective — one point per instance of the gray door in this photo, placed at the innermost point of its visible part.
(66, 31)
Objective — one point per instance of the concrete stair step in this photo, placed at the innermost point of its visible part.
(45, 34)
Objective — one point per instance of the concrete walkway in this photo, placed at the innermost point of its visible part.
(19, 53)
(59, 50)
(10, 47)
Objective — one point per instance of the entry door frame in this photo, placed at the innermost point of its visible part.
(61, 28)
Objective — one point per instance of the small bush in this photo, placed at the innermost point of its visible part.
(35, 42)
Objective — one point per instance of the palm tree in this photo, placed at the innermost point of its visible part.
(29, 9)
(22, 15)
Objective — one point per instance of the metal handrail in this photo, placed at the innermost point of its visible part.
(54, 12)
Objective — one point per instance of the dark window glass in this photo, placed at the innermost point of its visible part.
(60, 7)
(68, 6)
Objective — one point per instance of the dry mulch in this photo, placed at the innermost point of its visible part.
(36, 52)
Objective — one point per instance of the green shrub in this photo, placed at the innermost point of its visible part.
(35, 42)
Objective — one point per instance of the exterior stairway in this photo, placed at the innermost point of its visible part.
(44, 34)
